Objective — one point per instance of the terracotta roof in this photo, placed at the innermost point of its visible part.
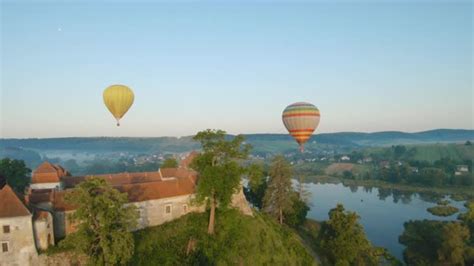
(116, 179)
(183, 183)
(11, 205)
(158, 190)
(186, 162)
(36, 197)
(48, 173)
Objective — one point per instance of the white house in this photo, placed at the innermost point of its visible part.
(17, 244)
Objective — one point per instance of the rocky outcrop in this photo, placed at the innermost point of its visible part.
(240, 202)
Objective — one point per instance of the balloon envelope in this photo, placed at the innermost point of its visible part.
(301, 119)
(118, 99)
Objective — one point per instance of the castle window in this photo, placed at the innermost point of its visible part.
(168, 209)
(185, 208)
(5, 247)
(6, 229)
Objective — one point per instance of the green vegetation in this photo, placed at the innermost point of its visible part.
(16, 173)
(341, 241)
(427, 152)
(239, 240)
(257, 185)
(278, 197)
(219, 169)
(170, 163)
(436, 243)
(344, 242)
(443, 210)
(103, 223)
(443, 202)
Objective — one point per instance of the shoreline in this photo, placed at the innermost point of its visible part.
(467, 192)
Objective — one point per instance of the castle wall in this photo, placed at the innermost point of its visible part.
(44, 234)
(159, 211)
(62, 224)
(20, 241)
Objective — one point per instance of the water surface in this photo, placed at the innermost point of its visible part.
(383, 211)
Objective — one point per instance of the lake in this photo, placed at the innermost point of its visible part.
(382, 211)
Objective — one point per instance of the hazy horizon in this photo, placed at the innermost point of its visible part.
(367, 66)
(242, 133)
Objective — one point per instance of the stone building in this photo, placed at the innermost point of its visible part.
(17, 244)
(159, 196)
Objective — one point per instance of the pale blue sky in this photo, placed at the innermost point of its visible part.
(235, 66)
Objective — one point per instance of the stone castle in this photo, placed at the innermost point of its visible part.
(39, 219)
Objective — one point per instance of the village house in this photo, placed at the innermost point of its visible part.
(345, 158)
(43, 217)
(17, 241)
(461, 170)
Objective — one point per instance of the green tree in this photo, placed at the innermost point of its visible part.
(434, 243)
(348, 174)
(468, 219)
(219, 170)
(279, 195)
(453, 244)
(170, 163)
(297, 216)
(103, 223)
(16, 173)
(398, 151)
(468, 143)
(343, 239)
(257, 184)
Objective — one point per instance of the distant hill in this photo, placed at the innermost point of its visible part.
(262, 143)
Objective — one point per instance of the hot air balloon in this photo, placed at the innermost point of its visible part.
(118, 99)
(301, 119)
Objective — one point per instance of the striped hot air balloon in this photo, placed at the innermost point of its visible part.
(301, 119)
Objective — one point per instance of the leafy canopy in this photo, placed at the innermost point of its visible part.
(344, 241)
(170, 163)
(257, 185)
(16, 173)
(434, 242)
(103, 223)
(218, 167)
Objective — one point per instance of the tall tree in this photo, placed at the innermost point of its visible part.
(279, 194)
(344, 241)
(103, 223)
(16, 173)
(303, 193)
(170, 163)
(257, 184)
(219, 170)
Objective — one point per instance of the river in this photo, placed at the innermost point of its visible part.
(383, 211)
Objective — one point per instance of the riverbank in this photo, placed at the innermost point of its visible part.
(458, 193)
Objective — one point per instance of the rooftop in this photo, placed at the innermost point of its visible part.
(11, 205)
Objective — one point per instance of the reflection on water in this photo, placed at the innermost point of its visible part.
(383, 211)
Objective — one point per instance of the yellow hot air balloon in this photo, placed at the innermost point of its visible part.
(118, 99)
